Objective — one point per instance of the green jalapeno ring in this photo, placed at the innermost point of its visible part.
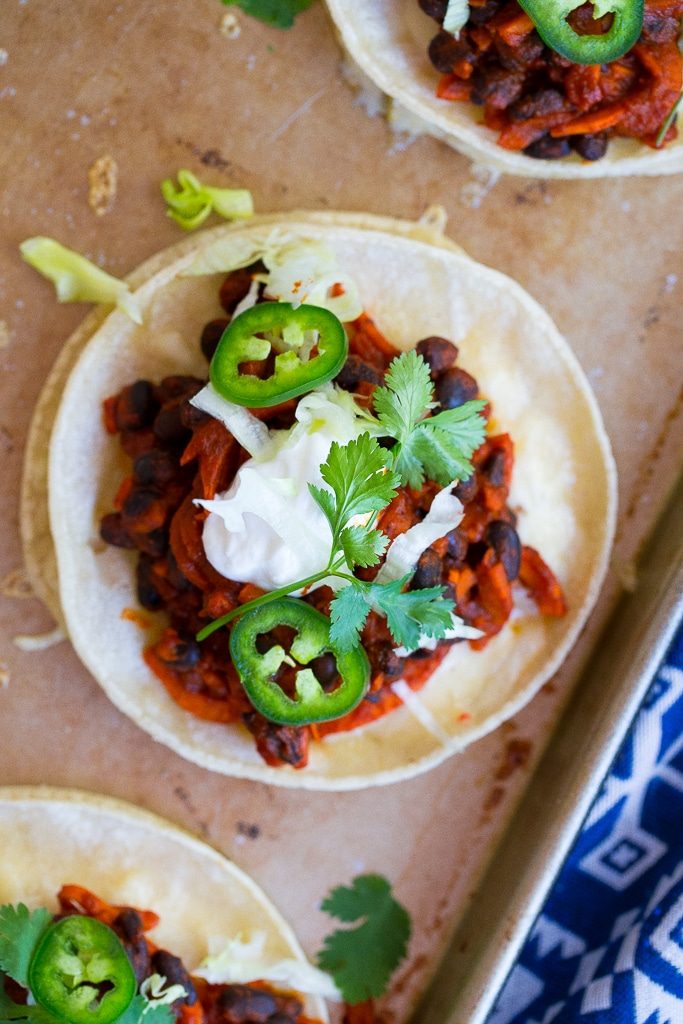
(549, 17)
(312, 704)
(80, 972)
(292, 376)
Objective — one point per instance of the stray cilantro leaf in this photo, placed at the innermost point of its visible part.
(278, 13)
(20, 930)
(361, 483)
(440, 446)
(411, 614)
(362, 959)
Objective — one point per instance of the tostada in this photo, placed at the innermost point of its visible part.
(359, 539)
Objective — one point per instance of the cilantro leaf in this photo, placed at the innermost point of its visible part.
(361, 482)
(440, 446)
(20, 930)
(411, 614)
(348, 612)
(362, 546)
(406, 396)
(362, 959)
(278, 13)
(11, 1011)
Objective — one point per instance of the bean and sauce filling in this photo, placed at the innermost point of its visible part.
(180, 453)
(203, 1003)
(543, 104)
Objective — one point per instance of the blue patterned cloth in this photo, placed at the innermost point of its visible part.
(608, 946)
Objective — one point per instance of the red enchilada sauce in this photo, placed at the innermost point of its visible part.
(180, 454)
(545, 105)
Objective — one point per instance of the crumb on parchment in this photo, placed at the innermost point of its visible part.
(102, 181)
(16, 584)
(230, 26)
(4, 335)
(4, 677)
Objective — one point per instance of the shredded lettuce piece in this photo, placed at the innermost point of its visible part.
(156, 990)
(458, 631)
(191, 203)
(241, 960)
(444, 515)
(455, 18)
(249, 431)
(298, 271)
(75, 278)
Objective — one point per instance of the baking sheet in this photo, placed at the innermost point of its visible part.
(158, 87)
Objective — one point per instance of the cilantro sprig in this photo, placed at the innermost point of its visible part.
(361, 479)
(362, 959)
(278, 13)
(439, 447)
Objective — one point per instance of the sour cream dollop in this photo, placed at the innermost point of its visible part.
(266, 528)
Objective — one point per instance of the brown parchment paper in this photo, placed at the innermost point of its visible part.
(158, 86)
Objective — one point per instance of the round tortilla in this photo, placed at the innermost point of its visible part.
(388, 39)
(564, 490)
(52, 837)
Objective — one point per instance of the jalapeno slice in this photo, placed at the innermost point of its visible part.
(80, 972)
(550, 19)
(293, 334)
(258, 671)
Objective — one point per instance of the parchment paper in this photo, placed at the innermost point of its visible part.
(158, 86)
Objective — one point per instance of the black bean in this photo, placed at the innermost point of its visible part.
(154, 467)
(466, 490)
(325, 670)
(496, 86)
(389, 663)
(183, 655)
(178, 386)
(445, 50)
(140, 501)
(455, 387)
(171, 968)
(438, 353)
(210, 337)
(356, 370)
(235, 288)
(137, 952)
(240, 1004)
(112, 531)
(154, 543)
(475, 553)
(518, 57)
(659, 29)
(504, 540)
(169, 427)
(281, 1018)
(136, 406)
(590, 147)
(494, 469)
(480, 15)
(148, 594)
(428, 571)
(545, 101)
(457, 546)
(548, 148)
(128, 924)
(434, 8)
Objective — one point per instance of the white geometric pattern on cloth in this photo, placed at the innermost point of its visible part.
(629, 969)
(629, 851)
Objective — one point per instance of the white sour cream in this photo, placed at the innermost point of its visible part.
(266, 528)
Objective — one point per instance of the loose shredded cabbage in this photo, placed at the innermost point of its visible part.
(75, 278)
(156, 991)
(191, 203)
(241, 960)
(298, 271)
(455, 18)
(247, 430)
(403, 554)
